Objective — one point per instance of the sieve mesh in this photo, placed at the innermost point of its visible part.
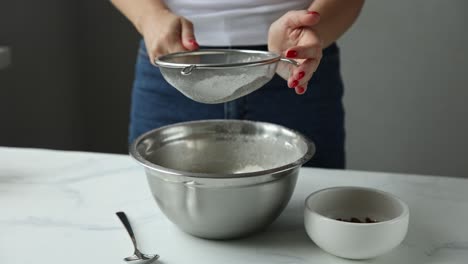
(218, 76)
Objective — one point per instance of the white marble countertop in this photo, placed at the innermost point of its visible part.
(59, 207)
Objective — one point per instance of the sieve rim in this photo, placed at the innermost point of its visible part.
(160, 61)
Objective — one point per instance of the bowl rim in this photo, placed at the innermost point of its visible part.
(404, 214)
(299, 162)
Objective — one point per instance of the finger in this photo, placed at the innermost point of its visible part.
(301, 89)
(301, 18)
(304, 72)
(312, 50)
(172, 42)
(153, 51)
(188, 37)
(162, 48)
(292, 82)
(175, 46)
(301, 75)
(292, 78)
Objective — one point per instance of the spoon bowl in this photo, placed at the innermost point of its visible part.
(141, 258)
(137, 256)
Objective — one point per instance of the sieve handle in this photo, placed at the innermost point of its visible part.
(187, 70)
(293, 62)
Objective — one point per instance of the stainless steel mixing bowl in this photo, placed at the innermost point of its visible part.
(222, 179)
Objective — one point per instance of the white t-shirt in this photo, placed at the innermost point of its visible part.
(233, 22)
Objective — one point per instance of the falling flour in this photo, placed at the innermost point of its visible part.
(219, 89)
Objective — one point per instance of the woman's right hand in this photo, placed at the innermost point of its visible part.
(164, 32)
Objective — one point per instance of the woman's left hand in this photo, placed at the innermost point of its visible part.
(293, 36)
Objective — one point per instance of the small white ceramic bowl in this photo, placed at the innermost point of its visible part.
(355, 240)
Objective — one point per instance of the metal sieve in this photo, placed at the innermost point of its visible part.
(214, 76)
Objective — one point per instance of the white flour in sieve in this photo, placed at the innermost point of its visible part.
(218, 89)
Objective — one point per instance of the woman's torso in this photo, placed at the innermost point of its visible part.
(233, 23)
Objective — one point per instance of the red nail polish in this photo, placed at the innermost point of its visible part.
(301, 75)
(313, 13)
(291, 54)
(193, 42)
(294, 83)
(300, 90)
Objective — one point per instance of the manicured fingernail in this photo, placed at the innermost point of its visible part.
(291, 54)
(300, 90)
(193, 42)
(294, 83)
(313, 13)
(301, 75)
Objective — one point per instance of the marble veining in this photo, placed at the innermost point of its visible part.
(49, 222)
(462, 245)
(63, 203)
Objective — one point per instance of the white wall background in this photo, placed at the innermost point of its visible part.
(405, 66)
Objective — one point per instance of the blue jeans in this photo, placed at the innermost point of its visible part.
(318, 114)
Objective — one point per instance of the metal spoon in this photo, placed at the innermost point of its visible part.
(137, 255)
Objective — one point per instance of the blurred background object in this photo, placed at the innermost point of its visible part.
(70, 76)
(5, 57)
(405, 71)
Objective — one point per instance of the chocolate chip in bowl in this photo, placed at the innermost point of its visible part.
(366, 220)
(355, 222)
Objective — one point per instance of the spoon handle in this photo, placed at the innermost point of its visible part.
(123, 218)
